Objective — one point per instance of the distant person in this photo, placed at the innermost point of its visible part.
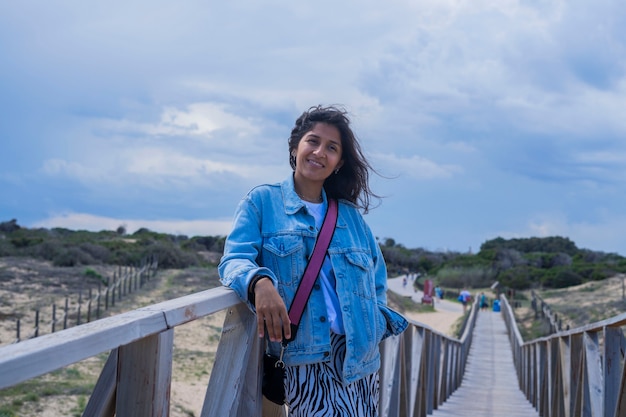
(333, 361)
(465, 297)
(484, 304)
(439, 292)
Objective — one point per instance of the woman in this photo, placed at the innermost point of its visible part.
(332, 362)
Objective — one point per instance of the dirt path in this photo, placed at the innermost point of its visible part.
(446, 312)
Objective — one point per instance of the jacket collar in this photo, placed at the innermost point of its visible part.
(292, 201)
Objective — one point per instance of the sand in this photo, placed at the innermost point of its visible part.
(446, 313)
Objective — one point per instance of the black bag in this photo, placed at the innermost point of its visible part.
(273, 385)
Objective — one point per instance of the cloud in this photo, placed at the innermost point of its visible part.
(145, 110)
(155, 168)
(203, 119)
(417, 167)
(185, 147)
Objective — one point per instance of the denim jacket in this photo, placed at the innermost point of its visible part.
(273, 235)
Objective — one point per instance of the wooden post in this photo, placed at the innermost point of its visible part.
(36, 323)
(102, 400)
(118, 283)
(108, 290)
(17, 339)
(124, 284)
(144, 376)
(89, 306)
(236, 383)
(65, 314)
(113, 289)
(98, 303)
(54, 317)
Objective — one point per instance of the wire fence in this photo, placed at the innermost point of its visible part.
(544, 312)
(84, 308)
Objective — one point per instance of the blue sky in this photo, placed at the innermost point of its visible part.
(485, 118)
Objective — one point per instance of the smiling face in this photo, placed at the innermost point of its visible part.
(318, 154)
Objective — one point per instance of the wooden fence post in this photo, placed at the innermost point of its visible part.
(108, 291)
(89, 306)
(144, 376)
(113, 290)
(98, 303)
(65, 314)
(54, 317)
(36, 323)
(18, 330)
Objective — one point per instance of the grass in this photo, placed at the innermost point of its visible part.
(64, 382)
(574, 306)
(403, 303)
(458, 325)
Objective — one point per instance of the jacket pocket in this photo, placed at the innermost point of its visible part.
(361, 267)
(281, 254)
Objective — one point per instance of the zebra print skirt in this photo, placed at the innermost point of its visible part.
(316, 390)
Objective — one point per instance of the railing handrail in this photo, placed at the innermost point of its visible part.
(34, 357)
(420, 368)
(572, 370)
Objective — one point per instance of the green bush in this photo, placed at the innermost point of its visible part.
(562, 278)
(171, 256)
(48, 250)
(5, 411)
(90, 273)
(519, 278)
(73, 257)
(98, 252)
(6, 248)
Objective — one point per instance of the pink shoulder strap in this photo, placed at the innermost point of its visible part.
(313, 267)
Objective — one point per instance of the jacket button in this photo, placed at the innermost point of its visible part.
(326, 354)
(311, 228)
(322, 319)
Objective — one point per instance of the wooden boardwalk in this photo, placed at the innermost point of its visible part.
(489, 387)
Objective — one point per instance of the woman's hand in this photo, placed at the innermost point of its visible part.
(271, 311)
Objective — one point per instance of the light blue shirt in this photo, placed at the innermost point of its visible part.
(327, 275)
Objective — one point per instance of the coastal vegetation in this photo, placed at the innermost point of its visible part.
(525, 263)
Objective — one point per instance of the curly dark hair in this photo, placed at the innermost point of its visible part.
(352, 180)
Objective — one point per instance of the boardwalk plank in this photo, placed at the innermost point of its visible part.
(489, 387)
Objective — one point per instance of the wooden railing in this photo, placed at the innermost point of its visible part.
(420, 368)
(577, 372)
